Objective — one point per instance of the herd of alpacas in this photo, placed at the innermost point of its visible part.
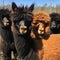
(29, 35)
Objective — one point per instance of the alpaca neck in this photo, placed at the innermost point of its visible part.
(38, 47)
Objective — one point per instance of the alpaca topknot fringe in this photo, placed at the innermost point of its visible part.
(41, 16)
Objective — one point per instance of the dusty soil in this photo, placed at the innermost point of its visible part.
(52, 47)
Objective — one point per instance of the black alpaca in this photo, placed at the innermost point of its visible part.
(55, 23)
(6, 36)
(22, 17)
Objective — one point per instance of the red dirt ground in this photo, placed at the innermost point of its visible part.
(52, 47)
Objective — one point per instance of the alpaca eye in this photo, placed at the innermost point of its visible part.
(17, 23)
(17, 26)
(46, 24)
(35, 23)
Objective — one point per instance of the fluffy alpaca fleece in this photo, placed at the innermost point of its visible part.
(6, 36)
(41, 16)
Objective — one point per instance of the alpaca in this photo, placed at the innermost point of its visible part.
(21, 26)
(40, 24)
(6, 36)
(40, 30)
(55, 23)
(46, 48)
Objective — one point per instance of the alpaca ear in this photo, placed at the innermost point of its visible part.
(31, 7)
(13, 6)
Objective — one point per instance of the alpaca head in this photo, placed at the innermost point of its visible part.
(55, 22)
(40, 23)
(22, 17)
(5, 18)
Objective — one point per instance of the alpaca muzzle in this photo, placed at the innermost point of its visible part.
(23, 29)
(53, 24)
(41, 32)
(5, 22)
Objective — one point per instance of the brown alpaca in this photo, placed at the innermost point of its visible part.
(40, 23)
(46, 48)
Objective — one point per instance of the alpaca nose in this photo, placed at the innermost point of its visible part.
(41, 31)
(23, 29)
